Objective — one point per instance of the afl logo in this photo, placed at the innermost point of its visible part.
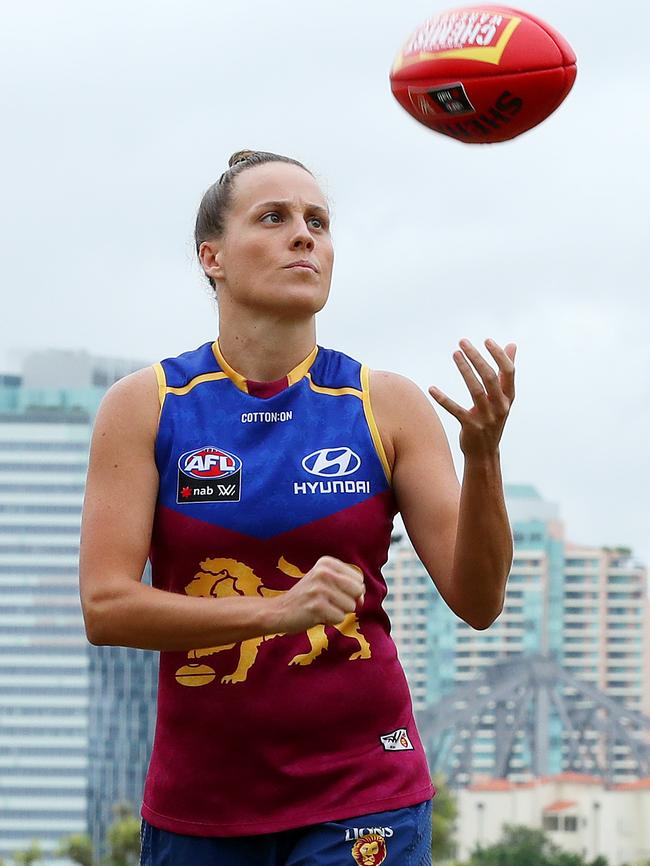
(209, 462)
(332, 462)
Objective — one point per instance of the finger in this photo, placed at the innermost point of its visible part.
(475, 387)
(485, 370)
(447, 403)
(505, 361)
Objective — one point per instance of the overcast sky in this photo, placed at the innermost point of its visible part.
(116, 116)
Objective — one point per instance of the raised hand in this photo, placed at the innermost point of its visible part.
(482, 424)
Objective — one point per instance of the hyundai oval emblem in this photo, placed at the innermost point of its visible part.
(332, 462)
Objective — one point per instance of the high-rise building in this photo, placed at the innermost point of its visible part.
(44, 438)
(43, 659)
(408, 605)
(123, 687)
(585, 606)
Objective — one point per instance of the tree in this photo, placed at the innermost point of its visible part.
(78, 848)
(517, 845)
(444, 815)
(524, 845)
(31, 855)
(124, 837)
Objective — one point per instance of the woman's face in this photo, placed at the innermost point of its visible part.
(278, 215)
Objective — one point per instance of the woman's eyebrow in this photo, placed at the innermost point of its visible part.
(316, 208)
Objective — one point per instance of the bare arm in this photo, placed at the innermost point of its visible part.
(424, 479)
(460, 533)
(119, 503)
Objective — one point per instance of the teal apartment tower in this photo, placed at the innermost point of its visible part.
(583, 606)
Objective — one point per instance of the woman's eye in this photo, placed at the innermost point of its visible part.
(275, 218)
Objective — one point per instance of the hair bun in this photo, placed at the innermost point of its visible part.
(240, 156)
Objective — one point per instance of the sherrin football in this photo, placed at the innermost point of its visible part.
(483, 74)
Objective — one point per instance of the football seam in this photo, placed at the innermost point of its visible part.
(436, 79)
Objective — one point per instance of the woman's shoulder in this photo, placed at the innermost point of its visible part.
(389, 386)
(401, 409)
(132, 403)
(141, 385)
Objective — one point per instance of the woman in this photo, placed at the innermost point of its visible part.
(261, 474)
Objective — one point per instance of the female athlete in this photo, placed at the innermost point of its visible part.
(260, 473)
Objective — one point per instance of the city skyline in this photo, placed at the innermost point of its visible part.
(44, 436)
(580, 606)
(540, 241)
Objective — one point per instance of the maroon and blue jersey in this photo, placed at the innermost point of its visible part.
(258, 480)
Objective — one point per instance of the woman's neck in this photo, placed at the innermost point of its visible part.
(264, 348)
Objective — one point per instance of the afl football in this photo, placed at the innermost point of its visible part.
(483, 74)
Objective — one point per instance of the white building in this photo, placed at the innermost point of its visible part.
(578, 813)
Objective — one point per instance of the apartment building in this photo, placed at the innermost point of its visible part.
(585, 606)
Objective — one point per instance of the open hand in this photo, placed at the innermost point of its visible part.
(483, 423)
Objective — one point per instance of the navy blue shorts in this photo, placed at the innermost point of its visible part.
(401, 837)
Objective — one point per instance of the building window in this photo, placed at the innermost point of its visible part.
(570, 823)
(551, 822)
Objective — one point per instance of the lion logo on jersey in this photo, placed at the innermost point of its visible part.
(369, 850)
(223, 578)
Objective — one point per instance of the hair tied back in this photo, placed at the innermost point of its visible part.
(240, 156)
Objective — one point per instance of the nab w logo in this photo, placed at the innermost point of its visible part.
(227, 489)
(208, 474)
(332, 462)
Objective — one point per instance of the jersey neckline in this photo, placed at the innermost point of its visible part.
(263, 389)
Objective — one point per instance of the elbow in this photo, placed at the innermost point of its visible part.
(482, 621)
(477, 617)
(93, 635)
(479, 624)
(95, 625)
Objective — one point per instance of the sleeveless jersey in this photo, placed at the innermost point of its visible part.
(257, 481)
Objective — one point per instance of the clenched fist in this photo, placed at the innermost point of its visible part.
(324, 596)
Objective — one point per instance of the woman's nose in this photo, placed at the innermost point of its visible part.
(303, 238)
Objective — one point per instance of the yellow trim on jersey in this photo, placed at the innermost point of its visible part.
(162, 385)
(241, 382)
(237, 378)
(334, 391)
(372, 424)
(298, 372)
(204, 377)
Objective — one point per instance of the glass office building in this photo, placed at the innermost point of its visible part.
(44, 660)
(123, 684)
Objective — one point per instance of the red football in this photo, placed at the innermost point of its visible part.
(483, 73)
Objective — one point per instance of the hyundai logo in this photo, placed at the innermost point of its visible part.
(332, 462)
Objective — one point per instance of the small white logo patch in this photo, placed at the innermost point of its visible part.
(332, 462)
(397, 741)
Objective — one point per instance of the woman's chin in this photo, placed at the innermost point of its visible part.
(298, 300)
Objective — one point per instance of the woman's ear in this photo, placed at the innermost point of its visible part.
(210, 257)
